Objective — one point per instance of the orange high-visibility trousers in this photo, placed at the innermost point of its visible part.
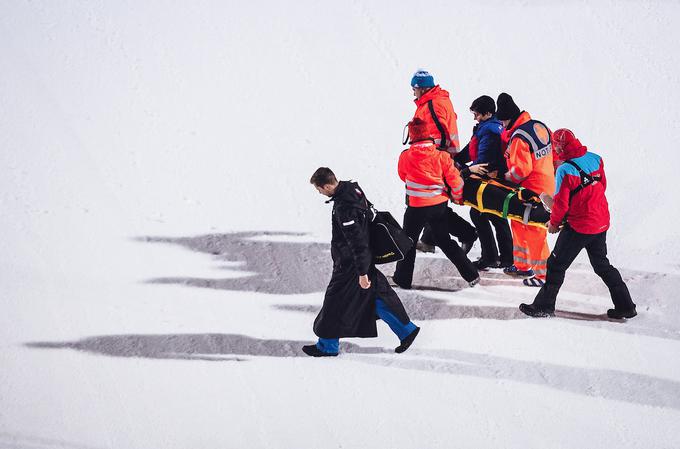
(530, 248)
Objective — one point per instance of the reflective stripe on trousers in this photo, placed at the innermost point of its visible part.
(530, 248)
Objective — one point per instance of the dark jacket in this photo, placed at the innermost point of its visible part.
(349, 244)
(485, 147)
(348, 310)
(486, 139)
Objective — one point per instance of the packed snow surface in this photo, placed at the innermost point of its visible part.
(163, 254)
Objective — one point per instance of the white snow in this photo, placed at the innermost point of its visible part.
(163, 254)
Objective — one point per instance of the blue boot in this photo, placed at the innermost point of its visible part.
(406, 332)
(325, 347)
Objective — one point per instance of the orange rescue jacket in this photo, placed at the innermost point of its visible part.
(435, 108)
(529, 155)
(429, 175)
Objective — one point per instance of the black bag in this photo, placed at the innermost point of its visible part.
(388, 241)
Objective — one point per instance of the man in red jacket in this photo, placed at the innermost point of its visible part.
(580, 187)
(431, 180)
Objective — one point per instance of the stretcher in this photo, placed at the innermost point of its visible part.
(505, 200)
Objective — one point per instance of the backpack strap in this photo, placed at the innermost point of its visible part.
(586, 178)
(440, 127)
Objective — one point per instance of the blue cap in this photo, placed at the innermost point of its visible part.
(422, 78)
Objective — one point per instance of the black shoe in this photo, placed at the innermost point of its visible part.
(474, 282)
(484, 264)
(536, 311)
(313, 351)
(619, 314)
(393, 281)
(502, 264)
(406, 342)
(517, 273)
(533, 282)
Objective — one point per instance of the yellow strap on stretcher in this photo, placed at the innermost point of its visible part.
(480, 200)
(480, 203)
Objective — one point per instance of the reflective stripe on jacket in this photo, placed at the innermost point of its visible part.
(429, 175)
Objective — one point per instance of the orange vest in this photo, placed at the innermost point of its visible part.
(529, 156)
(429, 175)
(435, 103)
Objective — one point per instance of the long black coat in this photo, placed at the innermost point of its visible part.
(348, 310)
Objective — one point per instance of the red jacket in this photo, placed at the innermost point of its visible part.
(446, 138)
(430, 176)
(588, 211)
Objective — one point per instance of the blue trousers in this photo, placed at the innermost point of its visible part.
(332, 345)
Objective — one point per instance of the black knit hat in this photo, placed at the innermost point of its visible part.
(507, 109)
(483, 105)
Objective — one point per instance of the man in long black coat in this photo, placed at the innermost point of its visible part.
(358, 293)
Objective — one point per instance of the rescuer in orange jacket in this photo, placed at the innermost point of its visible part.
(530, 164)
(431, 179)
(434, 107)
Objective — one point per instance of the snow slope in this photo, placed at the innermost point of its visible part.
(164, 254)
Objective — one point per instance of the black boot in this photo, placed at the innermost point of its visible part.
(406, 342)
(484, 264)
(395, 282)
(619, 314)
(621, 298)
(537, 311)
(313, 351)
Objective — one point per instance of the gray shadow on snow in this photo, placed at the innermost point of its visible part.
(286, 268)
(282, 268)
(602, 383)
(303, 267)
(422, 308)
(594, 382)
(207, 347)
(25, 441)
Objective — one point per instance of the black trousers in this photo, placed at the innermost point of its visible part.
(569, 245)
(490, 252)
(456, 225)
(415, 218)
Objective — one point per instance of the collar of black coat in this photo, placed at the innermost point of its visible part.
(348, 192)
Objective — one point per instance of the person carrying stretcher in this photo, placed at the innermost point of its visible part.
(580, 199)
(486, 153)
(530, 164)
(430, 179)
(434, 107)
